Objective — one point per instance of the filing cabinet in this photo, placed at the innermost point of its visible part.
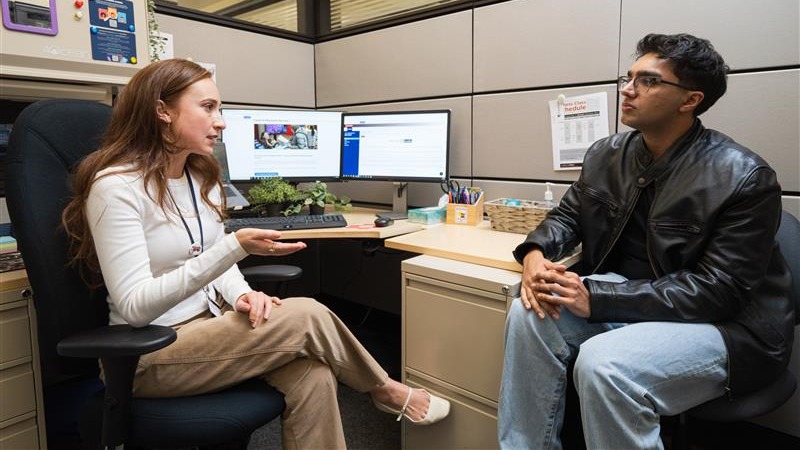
(21, 411)
(453, 323)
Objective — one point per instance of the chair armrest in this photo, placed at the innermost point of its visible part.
(116, 341)
(119, 348)
(271, 273)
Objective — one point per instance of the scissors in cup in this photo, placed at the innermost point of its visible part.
(452, 189)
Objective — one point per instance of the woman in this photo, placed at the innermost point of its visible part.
(148, 213)
(267, 140)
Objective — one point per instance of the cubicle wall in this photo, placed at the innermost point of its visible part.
(506, 61)
(251, 68)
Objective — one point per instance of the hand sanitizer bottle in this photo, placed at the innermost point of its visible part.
(548, 198)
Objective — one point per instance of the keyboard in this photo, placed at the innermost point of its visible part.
(297, 222)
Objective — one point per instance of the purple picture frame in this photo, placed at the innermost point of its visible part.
(52, 31)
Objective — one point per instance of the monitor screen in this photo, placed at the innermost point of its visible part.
(297, 145)
(396, 146)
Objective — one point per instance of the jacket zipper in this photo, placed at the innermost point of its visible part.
(647, 238)
(591, 193)
(694, 229)
(650, 256)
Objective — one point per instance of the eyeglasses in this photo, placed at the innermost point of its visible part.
(647, 82)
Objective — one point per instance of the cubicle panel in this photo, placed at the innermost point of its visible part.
(422, 59)
(512, 134)
(762, 111)
(380, 192)
(533, 43)
(749, 34)
(251, 68)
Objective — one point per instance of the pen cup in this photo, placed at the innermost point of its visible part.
(465, 214)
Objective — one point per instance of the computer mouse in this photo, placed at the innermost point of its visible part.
(383, 221)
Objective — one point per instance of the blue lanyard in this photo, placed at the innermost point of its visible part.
(195, 250)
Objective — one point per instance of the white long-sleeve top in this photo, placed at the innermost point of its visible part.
(145, 254)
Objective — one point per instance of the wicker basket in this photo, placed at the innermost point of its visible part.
(515, 219)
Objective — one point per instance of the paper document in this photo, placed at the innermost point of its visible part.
(575, 123)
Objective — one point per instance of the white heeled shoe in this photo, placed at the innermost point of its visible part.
(438, 409)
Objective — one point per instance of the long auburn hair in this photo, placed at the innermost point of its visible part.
(137, 138)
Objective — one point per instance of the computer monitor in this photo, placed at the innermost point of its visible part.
(297, 145)
(405, 146)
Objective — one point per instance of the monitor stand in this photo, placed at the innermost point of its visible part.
(399, 202)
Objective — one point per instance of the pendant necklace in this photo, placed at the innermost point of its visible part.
(195, 248)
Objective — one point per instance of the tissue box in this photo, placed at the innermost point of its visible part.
(432, 214)
(464, 214)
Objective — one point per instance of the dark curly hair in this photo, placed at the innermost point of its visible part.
(695, 62)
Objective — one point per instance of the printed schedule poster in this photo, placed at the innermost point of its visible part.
(575, 123)
(113, 31)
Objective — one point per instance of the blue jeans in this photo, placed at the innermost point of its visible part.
(626, 377)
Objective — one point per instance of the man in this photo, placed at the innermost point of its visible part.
(691, 301)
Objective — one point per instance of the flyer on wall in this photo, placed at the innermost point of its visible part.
(576, 123)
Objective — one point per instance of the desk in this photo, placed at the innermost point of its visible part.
(474, 244)
(347, 262)
(358, 221)
(470, 244)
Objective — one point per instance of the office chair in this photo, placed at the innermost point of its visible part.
(48, 139)
(769, 398)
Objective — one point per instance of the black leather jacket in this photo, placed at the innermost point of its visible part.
(710, 242)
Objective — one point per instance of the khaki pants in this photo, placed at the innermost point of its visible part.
(301, 350)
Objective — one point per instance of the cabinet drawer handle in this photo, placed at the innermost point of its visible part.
(26, 293)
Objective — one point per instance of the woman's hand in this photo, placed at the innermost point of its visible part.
(264, 242)
(257, 305)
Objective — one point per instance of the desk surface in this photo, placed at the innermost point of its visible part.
(360, 224)
(14, 279)
(476, 244)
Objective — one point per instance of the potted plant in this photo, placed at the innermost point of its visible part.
(270, 195)
(317, 195)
